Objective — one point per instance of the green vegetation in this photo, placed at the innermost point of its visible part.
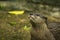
(14, 27)
(17, 27)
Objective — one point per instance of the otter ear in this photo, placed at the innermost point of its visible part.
(45, 19)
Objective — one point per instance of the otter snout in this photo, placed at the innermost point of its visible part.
(33, 16)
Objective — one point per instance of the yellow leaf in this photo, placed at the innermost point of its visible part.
(16, 12)
(26, 28)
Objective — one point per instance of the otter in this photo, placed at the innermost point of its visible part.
(39, 30)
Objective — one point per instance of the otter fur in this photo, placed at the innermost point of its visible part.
(39, 28)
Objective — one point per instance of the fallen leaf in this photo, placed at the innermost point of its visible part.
(16, 12)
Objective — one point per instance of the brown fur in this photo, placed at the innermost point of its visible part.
(39, 29)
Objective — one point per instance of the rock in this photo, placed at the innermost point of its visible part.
(16, 6)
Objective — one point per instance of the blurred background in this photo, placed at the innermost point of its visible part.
(17, 26)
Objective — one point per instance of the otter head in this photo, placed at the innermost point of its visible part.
(37, 19)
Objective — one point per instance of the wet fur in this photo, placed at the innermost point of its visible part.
(39, 30)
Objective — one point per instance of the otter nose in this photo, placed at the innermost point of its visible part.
(37, 14)
(30, 15)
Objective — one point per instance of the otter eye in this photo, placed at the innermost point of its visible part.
(31, 14)
(37, 14)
